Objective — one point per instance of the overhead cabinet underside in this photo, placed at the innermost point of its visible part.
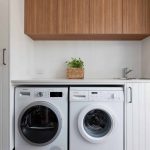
(87, 19)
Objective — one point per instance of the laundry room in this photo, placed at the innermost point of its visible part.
(74, 74)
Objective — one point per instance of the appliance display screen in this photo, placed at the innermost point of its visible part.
(56, 94)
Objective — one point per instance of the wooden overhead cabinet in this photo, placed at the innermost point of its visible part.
(136, 17)
(87, 19)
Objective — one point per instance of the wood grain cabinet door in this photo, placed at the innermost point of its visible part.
(73, 16)
(136, 16)
(41, 17)
(105, 16)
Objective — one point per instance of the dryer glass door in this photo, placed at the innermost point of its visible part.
(97, 123)
(40, 124)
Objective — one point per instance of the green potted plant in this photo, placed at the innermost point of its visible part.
(75, 69)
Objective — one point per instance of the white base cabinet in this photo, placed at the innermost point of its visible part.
(138, 116)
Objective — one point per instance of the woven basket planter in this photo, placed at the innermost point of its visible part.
(75, 73)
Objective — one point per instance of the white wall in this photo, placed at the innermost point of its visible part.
(103, 59)
(146, 58)
(21, 46)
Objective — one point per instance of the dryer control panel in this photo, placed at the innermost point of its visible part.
(52, 93)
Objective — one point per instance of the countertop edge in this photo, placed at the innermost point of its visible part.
(76, 81)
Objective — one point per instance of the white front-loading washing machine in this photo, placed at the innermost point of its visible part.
(41, 115)
(96, 118)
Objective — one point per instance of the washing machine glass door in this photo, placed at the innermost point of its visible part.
(95, 123)
(40, 123)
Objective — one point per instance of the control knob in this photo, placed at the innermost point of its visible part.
(39, 94)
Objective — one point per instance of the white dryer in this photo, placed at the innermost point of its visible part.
(96, 118)
(41, 115)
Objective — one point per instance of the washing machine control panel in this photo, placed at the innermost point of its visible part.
(96, 94)
(46, 93)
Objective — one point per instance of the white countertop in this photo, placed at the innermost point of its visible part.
(76, 81)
